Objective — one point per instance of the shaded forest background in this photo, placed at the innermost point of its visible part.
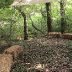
(12, 21)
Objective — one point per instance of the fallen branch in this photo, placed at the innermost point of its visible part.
(35, 26)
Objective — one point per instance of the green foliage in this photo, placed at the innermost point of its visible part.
(5, 3)
(11, 17)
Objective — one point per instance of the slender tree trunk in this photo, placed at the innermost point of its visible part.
(25, 25)
(10, 32)
(62, 12)
(9, 41)
(49, 20)
(25, 28)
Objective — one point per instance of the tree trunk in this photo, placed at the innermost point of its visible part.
(10, 32)
(25, 25)
(49, 20)
(25, 28)
(62, 12)
(9, 40)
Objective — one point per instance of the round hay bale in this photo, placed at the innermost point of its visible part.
(15, 51)
(6, 61)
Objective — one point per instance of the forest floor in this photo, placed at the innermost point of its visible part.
(45, 55)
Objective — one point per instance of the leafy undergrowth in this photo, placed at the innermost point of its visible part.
(45, 55)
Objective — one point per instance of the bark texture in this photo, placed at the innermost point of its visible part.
(49, 20)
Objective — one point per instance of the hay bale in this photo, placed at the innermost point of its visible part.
(6, 62)
(55, 34)
(67, 36)
(15, 51)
